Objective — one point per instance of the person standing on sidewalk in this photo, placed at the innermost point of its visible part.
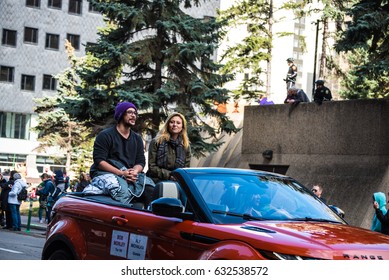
(42, 203)
(6, 188)
(14, 203)
(48, 189)
(3, 184)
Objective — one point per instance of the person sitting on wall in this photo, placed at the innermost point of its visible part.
(322, 93)
(296, 95)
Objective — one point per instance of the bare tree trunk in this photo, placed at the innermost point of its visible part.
(323, 58)
(268, 74)
(157, 84)
(69, 149)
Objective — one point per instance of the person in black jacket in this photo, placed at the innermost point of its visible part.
(292, 73)
(3, 184)
(5, 189)
(84, 181)
(322, 93)
(296, 95)
(48, 191)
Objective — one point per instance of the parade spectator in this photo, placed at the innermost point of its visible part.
(84, 181)
(3, 184)
(382, 217)
(14, 203)
(379, 203)
(265, 100)
(170, 149)
(6, 188)
(48, 190)
(292, 73)
(296, 95)
(42, 202)
(322, 93)
(60, 180)
(318, 191)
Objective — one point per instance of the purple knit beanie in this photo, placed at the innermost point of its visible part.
(121, 108)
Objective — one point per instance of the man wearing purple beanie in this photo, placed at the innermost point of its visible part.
(119, 150)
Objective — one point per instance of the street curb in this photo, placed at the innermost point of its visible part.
(35, 226)
(34, 223)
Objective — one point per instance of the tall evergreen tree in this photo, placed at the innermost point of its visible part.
(157, 56)
(366, 40)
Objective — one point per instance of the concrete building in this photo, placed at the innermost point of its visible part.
(32, 51)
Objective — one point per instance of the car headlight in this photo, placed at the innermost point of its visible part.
(280, 256)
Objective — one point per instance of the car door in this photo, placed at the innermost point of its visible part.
(113, 232)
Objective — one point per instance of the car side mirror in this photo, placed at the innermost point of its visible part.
(167, 206)
(337, 210)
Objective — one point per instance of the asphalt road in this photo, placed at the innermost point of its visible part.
(21, 245)
(26, 244)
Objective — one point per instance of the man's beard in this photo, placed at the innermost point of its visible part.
(129, 123)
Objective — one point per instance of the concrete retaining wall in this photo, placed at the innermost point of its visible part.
(342, 145)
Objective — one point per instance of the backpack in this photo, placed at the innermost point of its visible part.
(53, 197)
(22, 195)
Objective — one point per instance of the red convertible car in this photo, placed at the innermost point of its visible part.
(210, 213)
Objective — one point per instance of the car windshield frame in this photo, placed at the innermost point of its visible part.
(239, 197)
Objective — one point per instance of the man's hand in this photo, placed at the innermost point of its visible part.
(131, 174)
(375, 204)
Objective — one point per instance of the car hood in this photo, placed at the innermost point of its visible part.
(316, 239)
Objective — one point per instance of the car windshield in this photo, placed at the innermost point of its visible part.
(236, 198)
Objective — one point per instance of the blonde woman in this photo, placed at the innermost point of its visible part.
(170, 149)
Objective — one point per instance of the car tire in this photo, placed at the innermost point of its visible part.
(61, 254)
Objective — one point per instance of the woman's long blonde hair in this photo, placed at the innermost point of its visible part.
(164, 135)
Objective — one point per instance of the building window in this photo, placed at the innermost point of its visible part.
(28, 82)
(49, 82)
(9, 37)
(56, 4)
(92, 9)
(8, 161)
(6, 74)
(14, 125)
(75, 6)
(33, 3)
(30, 35)
(3, 124)
(52, 41)
(74, 40)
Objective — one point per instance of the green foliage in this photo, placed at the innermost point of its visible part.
(254, 49)
(155, 55)
(366, 43)
(55, 125)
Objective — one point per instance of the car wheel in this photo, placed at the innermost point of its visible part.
(61, 254)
